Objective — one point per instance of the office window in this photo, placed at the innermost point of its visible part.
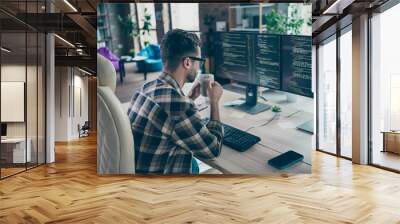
(385, 87)
(327, 95)
(146, 10)
(346, 92)
(180, 14)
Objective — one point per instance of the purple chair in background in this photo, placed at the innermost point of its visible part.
(104, 51)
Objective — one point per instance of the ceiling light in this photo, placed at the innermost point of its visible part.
(338, 6)
(86, 72)
(5, 49)
(65, 41)
(70, 5)
(328, 10)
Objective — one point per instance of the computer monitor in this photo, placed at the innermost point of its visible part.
(249, 58)
(267, 60)
(280, 62)
(233, 56)
(3, 129)
(296, 64)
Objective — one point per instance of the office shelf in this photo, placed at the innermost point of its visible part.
(250, 6)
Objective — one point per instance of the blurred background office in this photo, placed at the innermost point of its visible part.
(125, 32)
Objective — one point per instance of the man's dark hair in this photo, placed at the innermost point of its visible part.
(176, 44)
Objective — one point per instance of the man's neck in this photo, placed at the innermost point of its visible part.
(180, 79)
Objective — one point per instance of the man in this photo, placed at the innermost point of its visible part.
(167, 129)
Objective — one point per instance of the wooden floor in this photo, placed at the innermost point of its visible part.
(387, 159)
(10, 171)
(70, 191)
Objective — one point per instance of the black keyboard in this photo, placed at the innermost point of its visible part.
(237, 139)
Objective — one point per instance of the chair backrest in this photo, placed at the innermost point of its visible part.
(151, 51)
(104, 51)
(156, 51)
(115, 148)
(86, 125)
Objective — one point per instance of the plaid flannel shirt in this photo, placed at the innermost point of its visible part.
(168, 130)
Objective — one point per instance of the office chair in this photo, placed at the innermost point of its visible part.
(115, 149)
(84, 129)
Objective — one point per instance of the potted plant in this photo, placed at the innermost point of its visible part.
(275, 22)
(146, 27)
(277, 111)
(132, 52)
(128, 26)
(282, 24)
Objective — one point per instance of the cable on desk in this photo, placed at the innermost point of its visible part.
(263, 124)
(271, 119)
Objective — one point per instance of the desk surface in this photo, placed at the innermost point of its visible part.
(13, 140)
(127, 59)
(279, 136)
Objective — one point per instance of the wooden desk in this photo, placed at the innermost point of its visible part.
(279, 136)
(13, 150)
(391, 141)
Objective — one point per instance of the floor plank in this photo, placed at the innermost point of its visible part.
(70, 191)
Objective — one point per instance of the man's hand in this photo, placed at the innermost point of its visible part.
(195, 91)
(214, 92)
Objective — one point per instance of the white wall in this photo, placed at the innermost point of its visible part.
(69, 85)
(33, 126)
(61, 103)
(15, 73)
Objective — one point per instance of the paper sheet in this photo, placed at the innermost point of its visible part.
(287, 125)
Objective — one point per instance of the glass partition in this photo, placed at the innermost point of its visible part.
(14, 153)
(31, 98)
(22, 77)
(327, 95)
(41, 87)
(346, 93)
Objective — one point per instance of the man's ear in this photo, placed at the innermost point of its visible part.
(186, 63)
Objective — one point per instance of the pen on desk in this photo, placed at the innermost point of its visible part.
(293, 113)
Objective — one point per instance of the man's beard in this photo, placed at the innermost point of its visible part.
(191, 76)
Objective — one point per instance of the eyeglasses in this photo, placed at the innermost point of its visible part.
(200, 60)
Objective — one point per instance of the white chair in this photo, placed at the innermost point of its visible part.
(115, 148)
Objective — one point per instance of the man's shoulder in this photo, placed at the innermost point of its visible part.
(170, 99)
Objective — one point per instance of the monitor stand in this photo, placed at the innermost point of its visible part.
(251, 106)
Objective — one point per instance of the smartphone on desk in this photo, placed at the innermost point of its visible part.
(285, 160)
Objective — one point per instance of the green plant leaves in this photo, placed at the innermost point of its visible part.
(281, 24)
